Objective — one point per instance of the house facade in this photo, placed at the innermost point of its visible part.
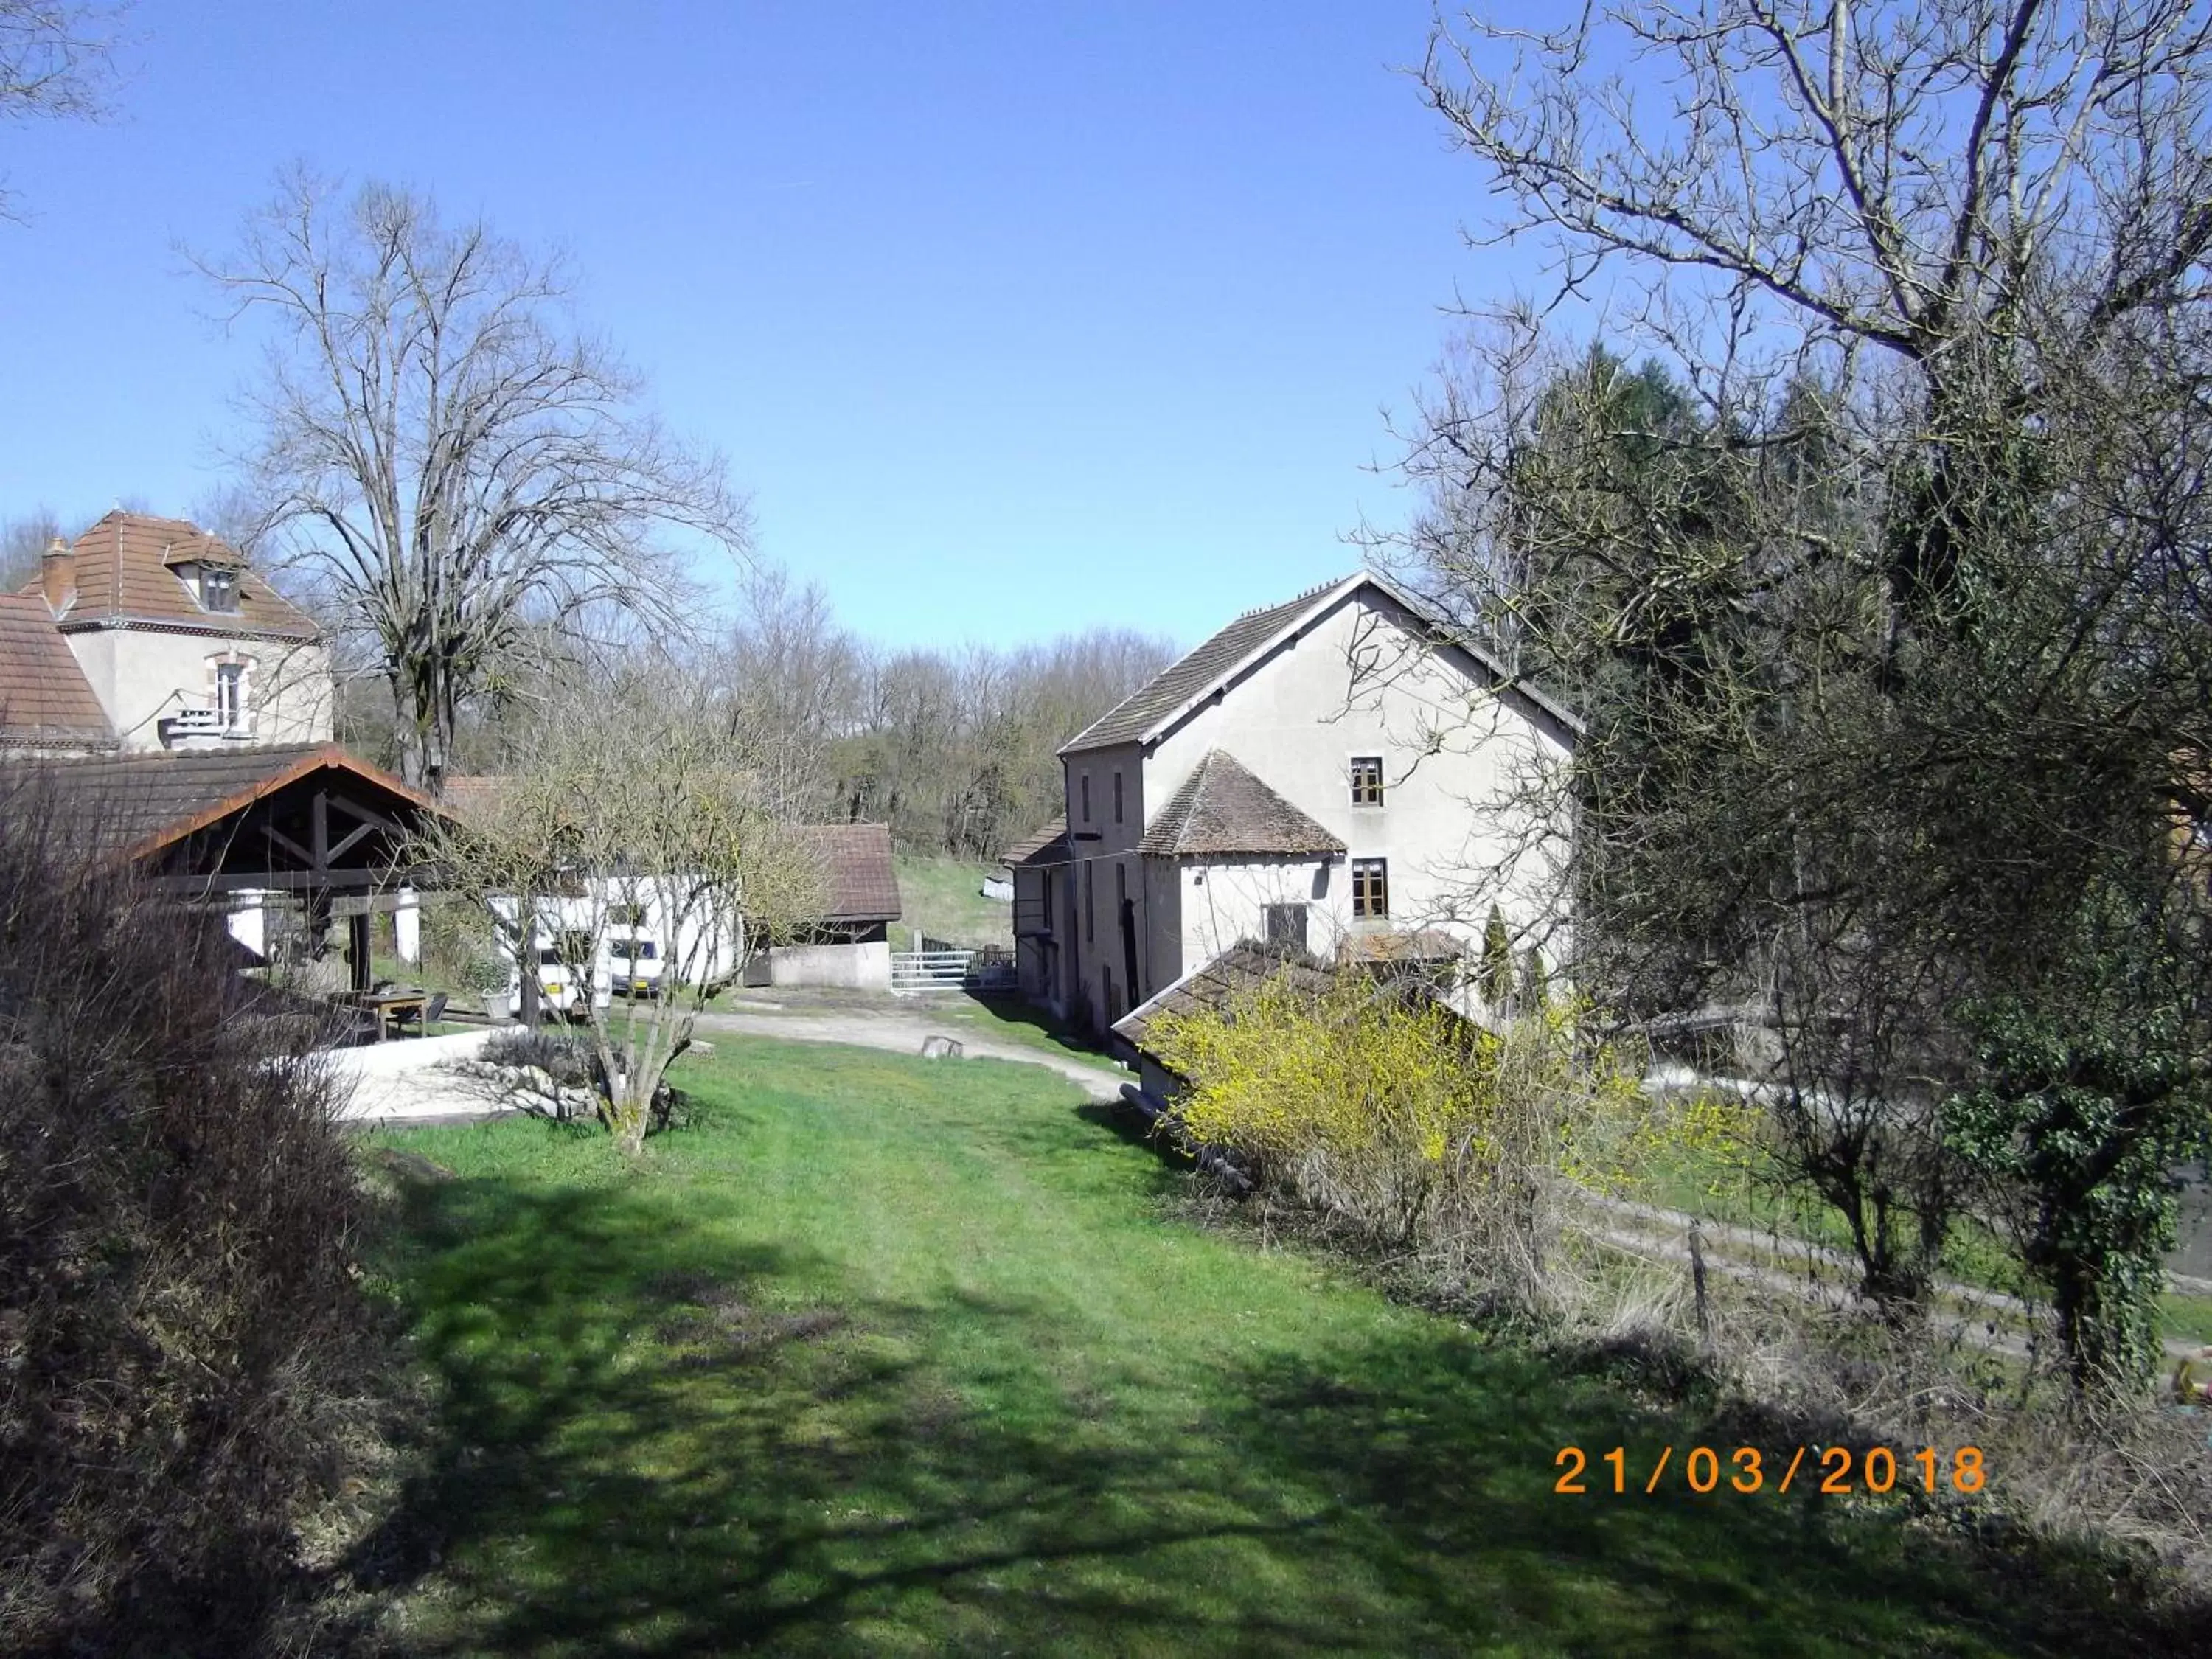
(1340, 772)
(149, 633)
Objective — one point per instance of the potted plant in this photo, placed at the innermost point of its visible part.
(489, 978)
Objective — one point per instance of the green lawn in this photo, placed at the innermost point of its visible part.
(944, 897)
(880, 1356)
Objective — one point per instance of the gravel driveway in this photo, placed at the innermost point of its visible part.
(403, 1082)
(901, 1032)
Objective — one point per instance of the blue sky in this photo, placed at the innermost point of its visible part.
(1014, 318)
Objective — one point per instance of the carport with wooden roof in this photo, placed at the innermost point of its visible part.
(310, 822)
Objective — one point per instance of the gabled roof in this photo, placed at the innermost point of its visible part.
(861, 882)
(135, 805)
(124, 572)
(1182, 685)
(1046, 846)
(1222, 809)
(1241, 968)
(45, 702)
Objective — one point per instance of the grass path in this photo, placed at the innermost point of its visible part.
(886, 1356)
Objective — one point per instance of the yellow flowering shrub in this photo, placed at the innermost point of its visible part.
(1418, 1126)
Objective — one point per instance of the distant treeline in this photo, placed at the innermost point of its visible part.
(954, 749)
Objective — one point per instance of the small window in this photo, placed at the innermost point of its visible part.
(1090, 901)
(218, 589)
(1085, 787)
(1370, 888)
(1121, 887)
(230, 696)
(1367, 780)
(1117, 798)
(1286, 924)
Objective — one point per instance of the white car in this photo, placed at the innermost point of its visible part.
(635, 964)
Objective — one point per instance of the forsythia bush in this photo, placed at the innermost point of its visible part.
(1422, 1128)
(1432, 1133)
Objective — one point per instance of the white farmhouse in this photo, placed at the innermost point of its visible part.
(1342, 772)
(149, 633)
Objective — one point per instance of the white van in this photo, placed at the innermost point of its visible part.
(561, 989)
(634, 964)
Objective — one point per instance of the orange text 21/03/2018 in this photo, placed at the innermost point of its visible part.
(1834, 1470)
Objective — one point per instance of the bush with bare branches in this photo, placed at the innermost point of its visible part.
(180, 1319)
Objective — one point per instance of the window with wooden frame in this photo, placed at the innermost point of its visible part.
(218, 588)
(1367, 779)
(1117, 798)
(1370, 889)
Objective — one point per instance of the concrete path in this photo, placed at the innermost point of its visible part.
(902, 1033)
(398, 1082)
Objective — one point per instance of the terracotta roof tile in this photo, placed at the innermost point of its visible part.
(121, 802)
(44, 698)
(1241, 968)
(122, 573)
(862, 883)
(1222, 809)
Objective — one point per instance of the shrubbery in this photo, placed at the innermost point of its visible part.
(1422, 1129)
(178, 1315)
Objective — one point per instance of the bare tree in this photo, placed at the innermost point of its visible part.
(1881, 580)
(636, 805)
(56, 62)
(447, 462)
(23, 541)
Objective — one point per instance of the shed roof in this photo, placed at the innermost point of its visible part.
(44, 698)
(1047, 845)
(1243, 968)
(1222, 809)
(135, 804)
(123, 572)
(861, 881)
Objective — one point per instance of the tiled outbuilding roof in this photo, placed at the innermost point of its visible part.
(1222, 809)
(45, 702)
(1241, 968)
(122, 571)
(135, 804)
(861, 882)
(1040, 847)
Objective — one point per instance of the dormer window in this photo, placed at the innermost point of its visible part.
(218, 588)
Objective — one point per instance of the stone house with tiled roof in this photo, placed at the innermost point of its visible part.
(1342, 772)
(150, 633)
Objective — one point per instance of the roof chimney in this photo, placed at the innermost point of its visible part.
(58, 575)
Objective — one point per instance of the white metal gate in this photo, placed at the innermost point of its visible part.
(930, 970)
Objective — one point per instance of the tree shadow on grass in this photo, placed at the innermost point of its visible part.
(643, 1445)
(655, 1442)
(1442, 1455)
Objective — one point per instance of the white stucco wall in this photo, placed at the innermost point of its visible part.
(1224, 902)
(1462, 766)
(859, 967)
(140, 675)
